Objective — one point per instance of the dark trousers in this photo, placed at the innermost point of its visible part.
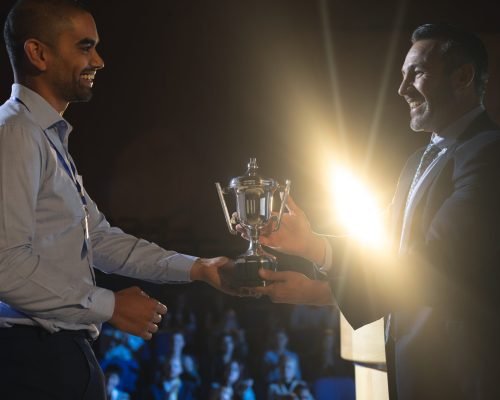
(35, 364)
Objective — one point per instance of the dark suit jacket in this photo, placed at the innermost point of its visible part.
(443, 288)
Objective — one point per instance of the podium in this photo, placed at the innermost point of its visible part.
(365, 347)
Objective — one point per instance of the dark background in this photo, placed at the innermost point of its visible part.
(192, 89)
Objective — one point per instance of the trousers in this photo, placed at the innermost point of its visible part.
(36, 364)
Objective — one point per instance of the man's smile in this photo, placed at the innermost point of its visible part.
(88, 78)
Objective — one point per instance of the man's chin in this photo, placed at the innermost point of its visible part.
(416, 126)
(82, 97)
(419, 125)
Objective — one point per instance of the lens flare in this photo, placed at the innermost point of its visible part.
(356, 208)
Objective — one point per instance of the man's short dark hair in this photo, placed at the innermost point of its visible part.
(36, 19)
(458, 47)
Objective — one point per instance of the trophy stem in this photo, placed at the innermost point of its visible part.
(254, 247)
(249, 263)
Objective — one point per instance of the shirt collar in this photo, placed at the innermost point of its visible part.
(41, 111)
(450, 134)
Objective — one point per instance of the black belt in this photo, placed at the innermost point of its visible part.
(43, 332)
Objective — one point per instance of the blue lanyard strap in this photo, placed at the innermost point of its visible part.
(71, 171)
(69, 168)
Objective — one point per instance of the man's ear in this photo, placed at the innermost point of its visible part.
(462, 78)
(36, 53)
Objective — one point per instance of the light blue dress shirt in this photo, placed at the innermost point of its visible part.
(46, 258)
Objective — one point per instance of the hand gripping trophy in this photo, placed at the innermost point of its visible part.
(254, 204)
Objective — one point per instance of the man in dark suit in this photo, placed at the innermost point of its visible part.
(438, 285)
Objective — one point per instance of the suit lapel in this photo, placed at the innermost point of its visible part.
(399, 199)
(419, 195)
(481, 123)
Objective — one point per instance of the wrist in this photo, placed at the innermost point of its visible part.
(322, 293)
(315, 249)
(196, 273)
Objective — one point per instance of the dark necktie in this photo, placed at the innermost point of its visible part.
(428, 157)
(430, 154)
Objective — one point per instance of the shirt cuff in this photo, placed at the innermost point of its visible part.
(102, 305)
(178, 267)
(327, 262)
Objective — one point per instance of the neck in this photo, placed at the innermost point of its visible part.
(458, 109)
(35, 84)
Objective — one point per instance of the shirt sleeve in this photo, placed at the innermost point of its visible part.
(27, 284)
(120, 253)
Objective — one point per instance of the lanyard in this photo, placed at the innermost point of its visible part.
(71, 171)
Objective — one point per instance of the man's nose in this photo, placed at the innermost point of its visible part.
(404, 86)
(97, 61)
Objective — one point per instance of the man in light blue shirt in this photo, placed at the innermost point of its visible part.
(52, 234)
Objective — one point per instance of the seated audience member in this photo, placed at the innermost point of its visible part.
(170, 385)
(241, 388)
(122, 349)
(223, 357)
(288, 380)
(167, 345)
(178, 350)
(112, 380)
(278, 348)
(190, 367)
(221, 393)
(229, 324)
(302, 392)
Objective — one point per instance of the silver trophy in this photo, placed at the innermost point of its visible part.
(254, 211)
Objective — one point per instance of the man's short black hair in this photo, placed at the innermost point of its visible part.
(458, 47)
(36, 19)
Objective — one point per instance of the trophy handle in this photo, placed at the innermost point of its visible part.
(224, 208)
(283, 203)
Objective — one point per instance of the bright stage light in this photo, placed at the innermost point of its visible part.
(356, 208)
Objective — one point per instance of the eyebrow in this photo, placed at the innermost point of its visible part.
(86, 42)
(412, 66)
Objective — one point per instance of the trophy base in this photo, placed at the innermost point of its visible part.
(246, 272)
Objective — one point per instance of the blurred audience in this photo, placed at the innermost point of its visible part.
(302, 392)
(112, 376)
(288, 379)
(278, 348)
(170, 385)
(122, 350)
(220, 362)
(241, 388)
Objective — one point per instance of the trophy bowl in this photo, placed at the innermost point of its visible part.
(254, 211)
